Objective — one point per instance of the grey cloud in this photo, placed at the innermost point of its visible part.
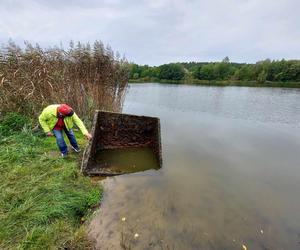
(156, 32)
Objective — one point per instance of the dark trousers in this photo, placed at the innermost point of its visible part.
(61, 141)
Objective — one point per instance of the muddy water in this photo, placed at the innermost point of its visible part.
(230, 175)
(128, 160)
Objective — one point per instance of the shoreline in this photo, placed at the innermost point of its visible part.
(217, 83)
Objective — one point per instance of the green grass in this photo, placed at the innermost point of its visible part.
(43, 198)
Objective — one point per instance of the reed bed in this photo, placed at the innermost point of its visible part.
(83, 76)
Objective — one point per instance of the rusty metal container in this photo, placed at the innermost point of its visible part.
(115, 131)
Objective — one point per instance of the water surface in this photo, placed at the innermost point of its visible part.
(230, 175)
(127, 160)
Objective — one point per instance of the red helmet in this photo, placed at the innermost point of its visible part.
(65, 110)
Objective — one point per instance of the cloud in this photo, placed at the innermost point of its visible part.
(156, 32)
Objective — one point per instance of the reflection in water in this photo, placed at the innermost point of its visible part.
(230, 175)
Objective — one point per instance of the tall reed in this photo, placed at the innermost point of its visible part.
(84, 76)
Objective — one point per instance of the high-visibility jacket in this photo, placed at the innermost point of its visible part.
(48, 119)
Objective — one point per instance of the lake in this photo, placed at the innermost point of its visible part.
(230, 177)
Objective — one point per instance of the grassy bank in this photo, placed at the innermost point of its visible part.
(44, 199)
(221, 83)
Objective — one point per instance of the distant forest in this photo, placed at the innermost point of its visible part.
(260, 72)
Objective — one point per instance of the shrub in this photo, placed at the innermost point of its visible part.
(13, 122)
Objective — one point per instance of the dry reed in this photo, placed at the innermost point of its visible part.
(85, 77)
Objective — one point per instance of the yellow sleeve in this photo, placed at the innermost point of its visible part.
(43, 121)
(79, 124)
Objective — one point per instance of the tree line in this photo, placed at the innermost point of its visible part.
(262, 71)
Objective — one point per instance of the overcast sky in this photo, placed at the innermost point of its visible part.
(156, 32)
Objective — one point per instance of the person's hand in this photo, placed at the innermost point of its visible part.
(88, 136)
(49, 134)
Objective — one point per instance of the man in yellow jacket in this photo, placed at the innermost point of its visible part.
(57, 118)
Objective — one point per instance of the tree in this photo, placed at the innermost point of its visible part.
(207, 72)
(196, 73)
(172, 71)
(226, 60)
(262, 77)
(134, 71)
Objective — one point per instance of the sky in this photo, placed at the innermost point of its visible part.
(155, 32)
